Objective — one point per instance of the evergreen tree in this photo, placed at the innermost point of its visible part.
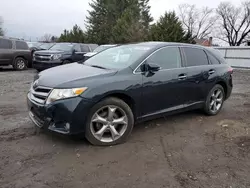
(1, 28)
(146, 17)
(128, 28)
(114, 21)
(169, 29)
(76, 34)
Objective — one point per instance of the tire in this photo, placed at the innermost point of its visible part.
(20, 64)
(105, 107)
(66, 62)
(214, 109)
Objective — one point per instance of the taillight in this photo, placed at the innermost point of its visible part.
(230, 70)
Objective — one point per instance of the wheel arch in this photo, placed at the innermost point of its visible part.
(124, 97)
(19, 56)
(224, 85)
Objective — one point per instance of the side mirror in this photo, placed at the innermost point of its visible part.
(73, 51)
(152, 67)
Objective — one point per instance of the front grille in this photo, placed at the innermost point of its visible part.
(39, 94)
(43, 57)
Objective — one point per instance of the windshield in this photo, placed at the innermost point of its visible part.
(118, 57)
(62, 47)
(46, 46)
(101, 48)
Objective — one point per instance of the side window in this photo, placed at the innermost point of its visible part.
(212, 59)
(166, 58)
(5, 44)
(195, 57)
(85, 48)
(77, 48)
(20, 45)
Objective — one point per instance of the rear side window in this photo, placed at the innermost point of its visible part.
(85, 48)
(5, 44)
(212, 59)
(195, 57)
(20, 45)
(166, 58)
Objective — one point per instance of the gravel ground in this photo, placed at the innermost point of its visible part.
(185, 150)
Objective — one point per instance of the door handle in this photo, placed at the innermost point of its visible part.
(182, 77)
(210, 72)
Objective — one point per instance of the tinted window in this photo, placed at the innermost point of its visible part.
(212, 59)
(85, 48)
(166, 58)
(5, 44)
(195, 57)
(20, 45)
(77, 48)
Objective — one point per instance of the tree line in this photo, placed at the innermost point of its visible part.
(127, 21)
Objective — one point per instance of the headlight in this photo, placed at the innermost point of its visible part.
(57, 94)
(56, 56)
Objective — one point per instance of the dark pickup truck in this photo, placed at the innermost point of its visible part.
(60, 54)
(16, 53)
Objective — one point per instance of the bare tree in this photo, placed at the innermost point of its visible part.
(234, 22)
(197, 22)
(46, 38)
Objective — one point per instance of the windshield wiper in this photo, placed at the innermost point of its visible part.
(97, 66)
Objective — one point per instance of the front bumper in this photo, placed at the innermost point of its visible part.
(42, 65)
(67, 116)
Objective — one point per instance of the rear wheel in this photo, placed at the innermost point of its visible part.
(215, 100)
(20, 63)
(110, 122)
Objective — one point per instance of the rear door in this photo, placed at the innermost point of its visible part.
(200, 74)
(6, 52)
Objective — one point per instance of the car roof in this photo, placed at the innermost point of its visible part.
(156, 44)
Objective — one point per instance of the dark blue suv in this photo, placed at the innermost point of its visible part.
(61, 54)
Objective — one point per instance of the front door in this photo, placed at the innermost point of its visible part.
(161, 89)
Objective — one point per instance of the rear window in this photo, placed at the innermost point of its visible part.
(20, 45)
(195, 57)
(5, 44)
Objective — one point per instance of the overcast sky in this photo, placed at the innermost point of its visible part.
(34, 18)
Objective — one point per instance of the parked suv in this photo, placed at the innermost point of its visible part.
(15, 52)
(104, 97)
(60, 54)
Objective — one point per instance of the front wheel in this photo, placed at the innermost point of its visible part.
(215, 100)
(110, 122)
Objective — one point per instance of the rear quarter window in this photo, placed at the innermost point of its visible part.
(5, 44)
(20, 45)
(195, 56)
(212, 59)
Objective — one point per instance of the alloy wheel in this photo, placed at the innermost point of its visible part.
(20, 64)
(216, 101)
(109, 123)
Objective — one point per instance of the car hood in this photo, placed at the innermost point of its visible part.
(64, 76)
(50, 52)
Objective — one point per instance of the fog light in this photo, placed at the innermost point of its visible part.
(67, 126)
